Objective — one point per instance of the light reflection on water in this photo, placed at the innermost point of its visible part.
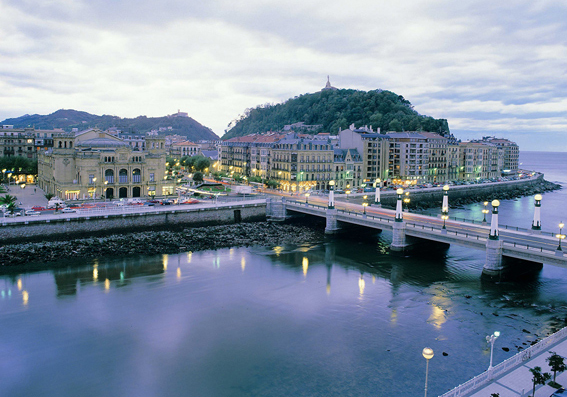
(338, 318)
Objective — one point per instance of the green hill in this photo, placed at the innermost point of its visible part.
(68, 119)
(337, 109)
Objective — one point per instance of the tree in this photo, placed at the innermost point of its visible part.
(539, 378)
(202, 163)
(57, 206)
(8, 199)
(556, 363)
(11, 208)
(272, 184)
(198, 177)
(49, 196)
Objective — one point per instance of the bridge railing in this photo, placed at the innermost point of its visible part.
(505, 366)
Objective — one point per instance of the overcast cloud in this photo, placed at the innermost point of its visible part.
(489, 68)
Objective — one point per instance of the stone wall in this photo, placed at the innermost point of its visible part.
(104, 225)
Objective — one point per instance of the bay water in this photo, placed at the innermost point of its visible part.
(343, 317)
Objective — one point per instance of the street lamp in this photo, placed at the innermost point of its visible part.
(347, 192)
(444, 217)
(490, 339)
(399, 216)
(428, 355)
(377, 193)
(364, 205)
(331, 195)
(560, 236)
(306, 198)
(407, 201)
(485, 211)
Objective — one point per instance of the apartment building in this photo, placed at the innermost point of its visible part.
(438, 157)
(373, 149)
(408, 158)
(480, 160)
(348, 167)
(301, 164)
(510, 152)
(25, 142)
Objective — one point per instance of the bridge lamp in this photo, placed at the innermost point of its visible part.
(306, 198)
(560, 236)
(485, 211)
(364, 205)
(347, 192)
(444, 217)
(491, 339)
(428, 355)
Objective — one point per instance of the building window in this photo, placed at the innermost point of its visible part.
(152, 177)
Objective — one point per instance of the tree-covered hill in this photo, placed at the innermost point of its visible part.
(68, 119)
(337, 109)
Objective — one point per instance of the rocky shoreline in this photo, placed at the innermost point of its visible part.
(154, 242)
(532, 190)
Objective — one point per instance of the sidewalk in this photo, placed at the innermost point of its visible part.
(29, 196)
(519, 381)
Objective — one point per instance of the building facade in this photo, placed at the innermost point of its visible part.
(95, 164)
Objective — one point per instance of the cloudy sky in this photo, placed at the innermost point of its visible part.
(489, 67)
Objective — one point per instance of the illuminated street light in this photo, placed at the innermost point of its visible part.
(490, 339)
(560, 236)
(306, 198)
(428, 355)
(364, 205)
(536, 224)
(399, 216)
(485, 211)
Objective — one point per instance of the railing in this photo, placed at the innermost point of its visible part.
(500, 369)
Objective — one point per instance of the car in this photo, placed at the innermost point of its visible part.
(166, 202)
(32, 213)
(153, 201)
(150, 203)
(190, 201)
(68, 210)
(559, 392)
(38, 208)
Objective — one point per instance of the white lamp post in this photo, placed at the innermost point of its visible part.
(494, 221)
(485, 211)
(399, 216)
(428, 355)
(445, 206)
(491, 339)
(560, 236)
(536, 224)
(377, 195)
(331, 195)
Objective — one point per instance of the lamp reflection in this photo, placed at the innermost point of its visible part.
(106, 285)
(95, 272)
(242, 263)
(25, 297)
(361, 285)
(305, 263)
(437, 317)
(165, 260)
(178, 273)
(278, 250)
(189, 256)
(19, 284)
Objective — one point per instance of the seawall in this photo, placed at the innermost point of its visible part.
(71, 226)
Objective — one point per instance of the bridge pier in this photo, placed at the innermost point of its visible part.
(493, 265)
(331, 226)
(275, 210)
(399, 242)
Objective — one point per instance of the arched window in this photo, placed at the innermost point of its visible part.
(109, 176)
(123, 176)
(136, 175)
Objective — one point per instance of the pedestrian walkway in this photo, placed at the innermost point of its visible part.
(27, 197)
(518, 381)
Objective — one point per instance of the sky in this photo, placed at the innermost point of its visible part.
(489, 67)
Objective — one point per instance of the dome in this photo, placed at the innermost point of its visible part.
(101, 142)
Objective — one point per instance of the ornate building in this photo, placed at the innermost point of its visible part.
(95, 164)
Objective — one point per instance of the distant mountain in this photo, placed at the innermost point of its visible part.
(68, 119)
(335, 109)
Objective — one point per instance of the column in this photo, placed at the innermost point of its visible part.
(493, 265)
(399, 216)
(377, 185)
(536, 224)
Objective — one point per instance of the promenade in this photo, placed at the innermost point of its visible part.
(512, 378)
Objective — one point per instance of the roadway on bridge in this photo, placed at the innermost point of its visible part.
(543, 241)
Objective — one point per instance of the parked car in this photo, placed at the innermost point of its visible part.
(150, 203)
(38, 208)
(166, 202)
(68, 210)
(190, 201)
(32, 213)
(559, 392)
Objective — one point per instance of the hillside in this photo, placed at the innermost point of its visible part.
(337, 109)
(68, 119)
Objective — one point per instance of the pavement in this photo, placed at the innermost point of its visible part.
(518, 382)
(29, 196)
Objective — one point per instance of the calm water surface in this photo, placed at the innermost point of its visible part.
(338, 318)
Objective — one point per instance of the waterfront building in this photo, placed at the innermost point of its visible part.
(95, 164)
(25, 142)
(301, 164)
(480, 160)
(185, 148)
(438, 157)
(408, 158)
(373, 149)
(348, 166)
(511, 153)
